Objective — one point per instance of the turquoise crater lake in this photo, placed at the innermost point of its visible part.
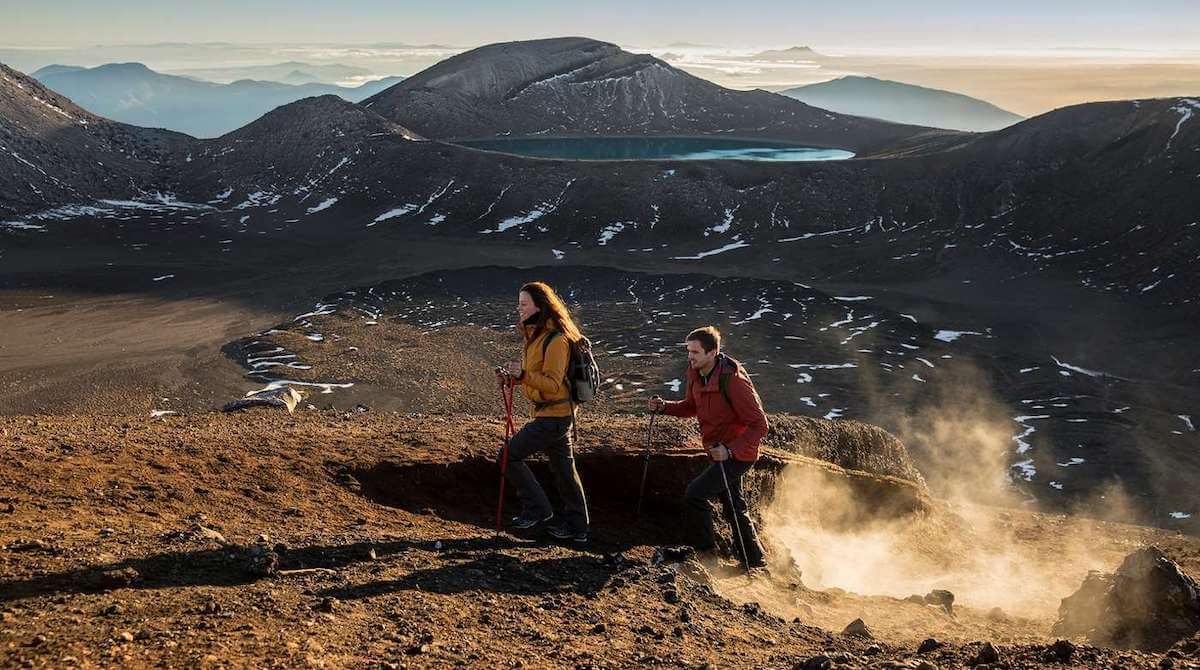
(655, 148)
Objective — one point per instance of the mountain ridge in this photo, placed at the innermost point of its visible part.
(904, 103)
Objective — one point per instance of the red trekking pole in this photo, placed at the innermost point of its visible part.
(506, 392)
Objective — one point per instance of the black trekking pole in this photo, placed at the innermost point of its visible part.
(737, 524)
(646, 462)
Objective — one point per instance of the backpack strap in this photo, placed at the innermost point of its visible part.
(550, 335)
(723, 385)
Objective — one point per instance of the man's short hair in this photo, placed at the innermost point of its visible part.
(708, 337)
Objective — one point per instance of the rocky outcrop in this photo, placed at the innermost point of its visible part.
(1149, 603)
(852, 445)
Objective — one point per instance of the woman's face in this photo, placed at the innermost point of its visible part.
(525, 306)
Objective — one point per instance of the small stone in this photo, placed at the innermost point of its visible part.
(818, 662)
(684, 616)
(205, 533)
(116, 579)
(143, 634)
(1166, 663)
(1062, 650)
(599, 628)
(987, 654)
(372, 555)
(915, 599)
(927, 645)
(671, 596)
(998, 615)
(926, 665)
(873, 650)
(37, 641)
(126, 636)
(858, 628)
(326, 605)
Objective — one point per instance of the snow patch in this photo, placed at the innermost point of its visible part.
(952, 335)
(713, 252)
(325, 204)
(610, 231)
(393, 213)
(1185, 108)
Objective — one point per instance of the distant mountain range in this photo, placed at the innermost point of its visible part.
(291, 72)
(904, 103)
(791, 55)
(133, 93)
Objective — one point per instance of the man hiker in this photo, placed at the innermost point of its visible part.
(721, 396)
(547, 330)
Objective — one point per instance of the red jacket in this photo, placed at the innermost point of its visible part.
(740, 424)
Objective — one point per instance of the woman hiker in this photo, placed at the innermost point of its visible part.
(548, 330)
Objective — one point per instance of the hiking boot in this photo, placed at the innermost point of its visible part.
(526, 520)
(562, 531)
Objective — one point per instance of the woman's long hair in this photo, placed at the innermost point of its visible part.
(551, 307)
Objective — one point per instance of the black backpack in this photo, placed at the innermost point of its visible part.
(583, 375)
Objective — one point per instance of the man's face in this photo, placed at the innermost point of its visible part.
(525, 306)
(698, 358)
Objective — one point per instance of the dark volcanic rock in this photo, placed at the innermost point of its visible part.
(115, 579)
(1148, 603)
(942, 598)
(928, 645)
(987, 654)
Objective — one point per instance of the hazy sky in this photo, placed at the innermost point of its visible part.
(1152, 24)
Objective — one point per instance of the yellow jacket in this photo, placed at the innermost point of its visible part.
(544, 381)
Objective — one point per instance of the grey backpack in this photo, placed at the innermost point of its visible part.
(583, 375)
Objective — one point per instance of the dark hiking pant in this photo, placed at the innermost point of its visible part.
(553, 436)
(710, 485)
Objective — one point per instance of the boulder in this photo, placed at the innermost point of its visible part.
(1147, 604)
(942, 598)
(858, 628)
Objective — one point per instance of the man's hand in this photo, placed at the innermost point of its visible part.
(719, 452)
(501, 376)
(656, 404)
(513, 369)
